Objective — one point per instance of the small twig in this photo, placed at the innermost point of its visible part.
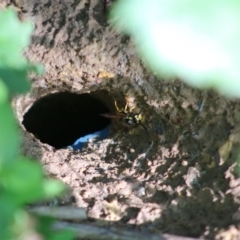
(65, 213)
(91, 232)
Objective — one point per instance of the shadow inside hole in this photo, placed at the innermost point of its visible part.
(59, 119)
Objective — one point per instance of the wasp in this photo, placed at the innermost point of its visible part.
(126, 116)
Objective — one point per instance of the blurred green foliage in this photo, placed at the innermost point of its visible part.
(195, 40)
(22, 181)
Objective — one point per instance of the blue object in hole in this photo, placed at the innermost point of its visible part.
(80, 142)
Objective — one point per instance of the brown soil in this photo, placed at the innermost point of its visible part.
(180, 176)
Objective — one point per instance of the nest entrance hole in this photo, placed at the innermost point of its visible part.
(59, 119)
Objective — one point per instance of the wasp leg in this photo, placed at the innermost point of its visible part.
(126, 107)
(130, 109)
(143, 126)
(118, 109)
(139, 118)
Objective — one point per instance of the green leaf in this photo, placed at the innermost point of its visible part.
(197, 41)
(38, 69)
(45, 228)
(14, 37)
(7, 210)
(23, 179)
(62, 235)
(9, 137)
(3, 93)
(52, 188)
(15, 79)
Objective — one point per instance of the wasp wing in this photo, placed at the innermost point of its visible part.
(109, 115)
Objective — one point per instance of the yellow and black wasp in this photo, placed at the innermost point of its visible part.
(126, 116)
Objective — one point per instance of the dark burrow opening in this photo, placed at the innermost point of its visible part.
(59, 119)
